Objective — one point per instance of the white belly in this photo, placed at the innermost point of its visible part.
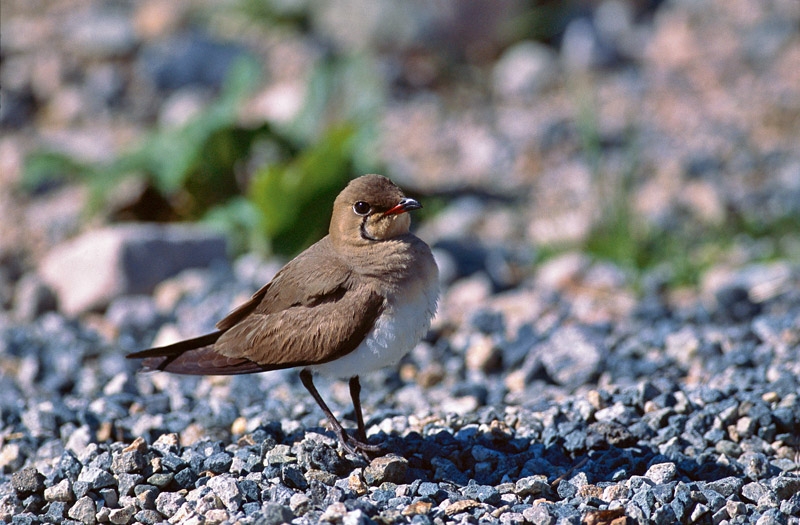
(396, 332)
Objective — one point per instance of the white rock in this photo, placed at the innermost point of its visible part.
(89, 271)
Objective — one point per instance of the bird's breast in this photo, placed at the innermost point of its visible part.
(405, 319)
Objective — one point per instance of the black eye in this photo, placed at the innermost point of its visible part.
(361, 208)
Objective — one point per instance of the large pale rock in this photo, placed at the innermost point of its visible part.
(89, 271)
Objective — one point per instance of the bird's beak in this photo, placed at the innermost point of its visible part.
(403, 206)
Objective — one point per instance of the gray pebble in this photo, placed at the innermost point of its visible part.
(168, 503)
(275, 514)
(572, 356)
(218, 463)
(56, 512)
(148, 517)
(227, 490)
(293, 477)
(96, 478)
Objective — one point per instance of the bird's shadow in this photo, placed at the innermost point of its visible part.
(486, 459)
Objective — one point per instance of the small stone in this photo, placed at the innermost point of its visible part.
(84, 510)
(146, 496)
(772, 516)
(785, 487)
(129, 461)
(662, 473)
(512, 518)
(483, 493)
(322, 476)
(572, 356)
(532, 486)
(663, 515)
(275, 514)
(357, 517)
(540, 514)
(168, 503)
(735, 508)
(419, 507)
(56, 512)
(299, 503)
(148, 517)
(103, 514)
(110, 497)
(334, 513)
(96, 478)
(140, 445)
(227, 490)
(279, 455)
(61, 491)
(27, 481)
(615, 492)
(464, 505)
(218, 463)
(293, 478)
(216, 516)
(239, 426)
(698, 512)
(161, 479)
(166, 443)
(10, 458)
(726, 487)
(127, 482)
(356, 483)
(682, 345)
(754, 491)
(391, 468)
(756, 465)
(482, 354)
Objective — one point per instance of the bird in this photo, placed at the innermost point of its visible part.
(355, 301)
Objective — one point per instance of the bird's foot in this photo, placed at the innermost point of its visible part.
(358, 446)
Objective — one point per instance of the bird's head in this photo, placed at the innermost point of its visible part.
(370, 209)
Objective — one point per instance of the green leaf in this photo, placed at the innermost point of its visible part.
(43, 167)
(294, 198)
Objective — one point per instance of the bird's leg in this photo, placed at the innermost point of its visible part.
(361, 433)
(352, 445)
(355, 395)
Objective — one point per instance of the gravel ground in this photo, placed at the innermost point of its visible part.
(531, 408)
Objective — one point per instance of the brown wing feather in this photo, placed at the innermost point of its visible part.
(304, 335)
(313, 274)
(308, 314)
(243, 310)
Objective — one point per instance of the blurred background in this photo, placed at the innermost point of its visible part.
(655, 140)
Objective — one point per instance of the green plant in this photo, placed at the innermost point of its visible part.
(194, 172)
(191, 166)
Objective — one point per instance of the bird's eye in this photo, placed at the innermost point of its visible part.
(361, 208)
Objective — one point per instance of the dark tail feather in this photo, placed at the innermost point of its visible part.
(195, 357)
(177, 348)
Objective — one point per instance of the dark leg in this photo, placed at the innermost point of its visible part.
(352, 445)
(355, 395)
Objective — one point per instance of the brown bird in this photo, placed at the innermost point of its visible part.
(355, 301)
